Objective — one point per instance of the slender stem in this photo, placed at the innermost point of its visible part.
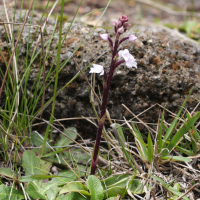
(123, 39)
(103, 108)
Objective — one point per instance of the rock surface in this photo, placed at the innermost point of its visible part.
(168, 67)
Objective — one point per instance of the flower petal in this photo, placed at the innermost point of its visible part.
(132, 38)
(125, 54)
(104, 36)
(97, 69)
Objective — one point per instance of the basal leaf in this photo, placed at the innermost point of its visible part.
(32, 189)
(7, 192)
(95, 188)
(30, 163)
(75, 187)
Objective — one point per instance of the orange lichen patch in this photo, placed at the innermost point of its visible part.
(69, 41)
(72, 85)
(156, 60)
(4, 55)
(78, 53)
(175, 66)
(81, 47)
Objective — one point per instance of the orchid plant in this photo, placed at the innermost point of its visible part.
(120, 27)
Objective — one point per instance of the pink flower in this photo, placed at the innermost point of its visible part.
(126, 25)
(114, 23)
(130, 60)
(132, 38)
(123, 19)
(121, 30)
(97, 69)
(104, 36)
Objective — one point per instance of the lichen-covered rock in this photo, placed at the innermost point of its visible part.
(168, 68)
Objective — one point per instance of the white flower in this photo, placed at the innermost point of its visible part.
(130, 60)
(104, 36)
(97, 69)
(132, 38)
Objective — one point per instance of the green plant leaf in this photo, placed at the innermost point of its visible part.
(137, 187)
(140, 142)
(174, 123)
(75, 187)
(7, 172)
(36, 177)
(30, 163)
(184, 129)
(52, 192)
(64, 177)
(114, 191)
(171, 189)
(32, 189)
(63, 141)
(150, 149)
(95, 188)
(45, 167)
(7, 192)
(177, 158)
(115, 180)
(71, 196)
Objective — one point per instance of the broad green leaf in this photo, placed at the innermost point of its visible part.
(37, 140)
(30, 163)
(64, 177)
(75, 187)
(136, 187)
(150, 149)
(177, 158)
(71, 196)
(120, 131)
(45, 167)
(32, 189)
(36, 177)
(52, 192)
(184, 129)
(114, 191)
(115, 180)
(174, 123)
(63, 141)
(95, 188)
(5, 192)
(7, 172)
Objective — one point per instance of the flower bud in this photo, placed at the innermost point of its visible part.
(119, 24)
(124, 18)
(126, 25)
(121, 30)
(114, 23)
(104, 36)
(132, 38)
